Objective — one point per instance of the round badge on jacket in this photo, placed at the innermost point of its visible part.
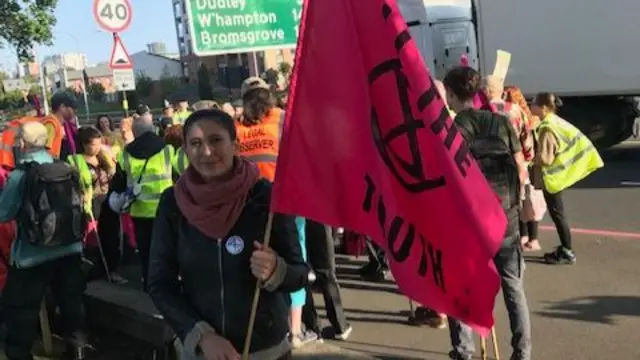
(234, 245)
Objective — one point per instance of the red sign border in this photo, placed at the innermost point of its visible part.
(102, 25)
(112, 66)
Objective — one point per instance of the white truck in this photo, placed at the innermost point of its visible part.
(582, 51)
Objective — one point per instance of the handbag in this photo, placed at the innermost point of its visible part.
(533, 204)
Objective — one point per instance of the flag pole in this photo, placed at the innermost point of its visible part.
(256, 294)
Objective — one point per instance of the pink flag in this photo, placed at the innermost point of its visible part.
(369, 145)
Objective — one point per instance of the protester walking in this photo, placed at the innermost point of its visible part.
(143, 172)
(565, 156)
(44, 255)
(96, 168)
(321, 257)
(496, 147)
(208, 232)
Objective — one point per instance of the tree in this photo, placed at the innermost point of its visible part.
(25, 23)
(96, 91)
(204, 83)
(169, 85)
(144, 85)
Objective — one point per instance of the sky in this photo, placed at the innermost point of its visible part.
(76, 31)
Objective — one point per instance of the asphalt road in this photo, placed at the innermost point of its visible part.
(588, 311)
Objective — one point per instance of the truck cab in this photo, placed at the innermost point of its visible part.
(443, 31)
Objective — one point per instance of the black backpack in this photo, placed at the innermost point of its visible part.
(52, 212)
(496, 161)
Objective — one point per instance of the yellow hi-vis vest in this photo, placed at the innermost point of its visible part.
(575, 159)
(180, 162)
(155, 180)
(86, 180)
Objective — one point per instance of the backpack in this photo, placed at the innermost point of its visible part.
(52, 213)
(496, 161)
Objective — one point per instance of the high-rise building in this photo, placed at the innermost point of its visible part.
(75, 61)
(157, 48)
(28, 69)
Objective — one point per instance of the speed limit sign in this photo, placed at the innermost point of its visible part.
(112, 15)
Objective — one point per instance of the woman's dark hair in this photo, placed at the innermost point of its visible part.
(173, 136)
(257, 104)
(111, 125)
(85, 135)
(218, 116)
(464, 82)
(549, 100)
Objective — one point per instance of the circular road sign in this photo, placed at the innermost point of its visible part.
(112, 15)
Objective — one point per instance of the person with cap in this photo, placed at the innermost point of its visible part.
(166, 120)
(34, 267)
(64, 105)
(143, 172)
(182, 113)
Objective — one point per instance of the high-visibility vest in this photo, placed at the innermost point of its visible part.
(8, 138)
(575, 158)
(55, 139)
(179, 117)
(261, 143)
(86, 180)
(180, 162)
(155, 180)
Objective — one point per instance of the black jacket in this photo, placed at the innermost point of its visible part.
(143, 147)
(216, 285)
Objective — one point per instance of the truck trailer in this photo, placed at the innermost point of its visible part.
(582, 52)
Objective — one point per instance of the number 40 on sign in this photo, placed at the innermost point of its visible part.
(112, 15)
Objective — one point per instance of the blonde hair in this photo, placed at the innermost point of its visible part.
(34, 134)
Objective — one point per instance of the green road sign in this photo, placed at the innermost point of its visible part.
(237, 26)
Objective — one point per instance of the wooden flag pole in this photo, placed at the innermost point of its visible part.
(483, 345)
(256, 294)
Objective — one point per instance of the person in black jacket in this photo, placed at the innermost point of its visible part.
(207, 252)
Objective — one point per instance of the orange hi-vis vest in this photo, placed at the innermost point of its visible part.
(260, 143)
(8, 138)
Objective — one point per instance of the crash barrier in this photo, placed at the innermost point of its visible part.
(130, 312)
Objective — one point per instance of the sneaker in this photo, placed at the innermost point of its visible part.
(343, 336)
(424, 316)
(560, 256)
(302, 339)
(454, 355)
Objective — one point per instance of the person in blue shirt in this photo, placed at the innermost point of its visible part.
(33, 269)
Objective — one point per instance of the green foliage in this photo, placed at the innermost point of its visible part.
(144, 85)
(96, 92)
(11, 100)
(169, 85)
(25, 23)
(205, 91)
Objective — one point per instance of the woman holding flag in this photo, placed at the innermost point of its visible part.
(208, 232)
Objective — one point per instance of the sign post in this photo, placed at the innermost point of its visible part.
(115, 16)
(122, 66)
(224, 27)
